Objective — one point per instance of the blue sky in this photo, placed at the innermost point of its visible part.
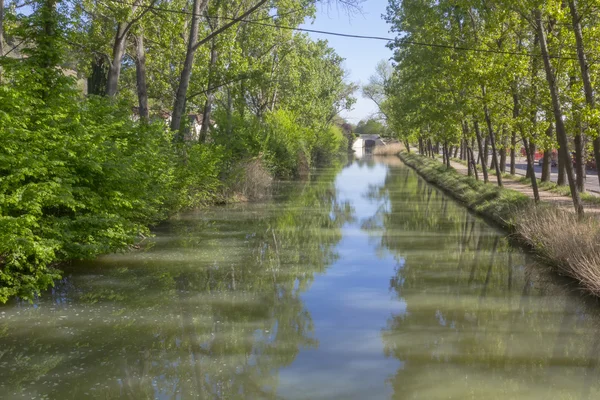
(361, 54)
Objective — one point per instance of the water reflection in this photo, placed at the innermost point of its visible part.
(211, 310)
(481, 319)
(364, 282)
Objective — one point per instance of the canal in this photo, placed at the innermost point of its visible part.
(363, 283)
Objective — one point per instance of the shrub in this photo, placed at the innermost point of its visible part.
(197, 177)
(564, 241)
(285, 146)
(78, 178)
(251, 180)
(329, 142)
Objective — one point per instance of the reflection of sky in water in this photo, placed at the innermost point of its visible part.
(349, 307)
(413, 297)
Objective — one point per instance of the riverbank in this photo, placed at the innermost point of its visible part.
(555, 235)
(364, 252)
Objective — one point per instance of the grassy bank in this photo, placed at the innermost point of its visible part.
(391, 149)
(554, 235)
(499, 205)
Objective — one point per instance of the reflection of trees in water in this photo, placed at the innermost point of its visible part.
(481, 320)
(212, 311)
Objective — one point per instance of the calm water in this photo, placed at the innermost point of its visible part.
(365, 283)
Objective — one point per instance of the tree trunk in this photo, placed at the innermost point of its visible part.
(486, 150)
(547, 160)
(529, 154)
(444, 154)
(480, 145)
(492, 136)
(546, 164)
(407, 145)
(579, 163)
(495, 159)
(115, 66)
(585, 75)
(513, 156)
(140, 73)
(532, 151)
(562, 175)
(210, 95)
(465, 147)
(503, 151)
(469, 168)
(186, 73)
(472, 162)
(561, 133)
(456, 151)
(513, 139)
(1, 34)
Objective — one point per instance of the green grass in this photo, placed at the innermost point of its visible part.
(568, 244)
(495, 203)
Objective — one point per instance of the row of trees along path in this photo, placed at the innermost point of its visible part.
(559, 200)
(497, 75)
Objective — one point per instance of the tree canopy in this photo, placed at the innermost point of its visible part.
(472, 74)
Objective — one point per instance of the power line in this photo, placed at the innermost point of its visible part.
(400, 42)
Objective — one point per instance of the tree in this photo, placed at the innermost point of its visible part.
(370, 127)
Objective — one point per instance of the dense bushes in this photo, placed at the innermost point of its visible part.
(197, 176)
(281, 140)
(80, 177)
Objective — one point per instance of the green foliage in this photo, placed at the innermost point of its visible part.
(371, 127)
(197, 180)
(285, 143)
(80, 176)
(281, 139)
(78, 179)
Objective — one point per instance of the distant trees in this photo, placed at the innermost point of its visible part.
(371, 127)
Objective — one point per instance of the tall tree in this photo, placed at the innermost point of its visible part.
(119, 43)
(585, 74)
(193, 45)
(561, 133)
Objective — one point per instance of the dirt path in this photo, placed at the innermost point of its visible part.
(561, 201)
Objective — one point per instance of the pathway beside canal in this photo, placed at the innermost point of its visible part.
(559, 200)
